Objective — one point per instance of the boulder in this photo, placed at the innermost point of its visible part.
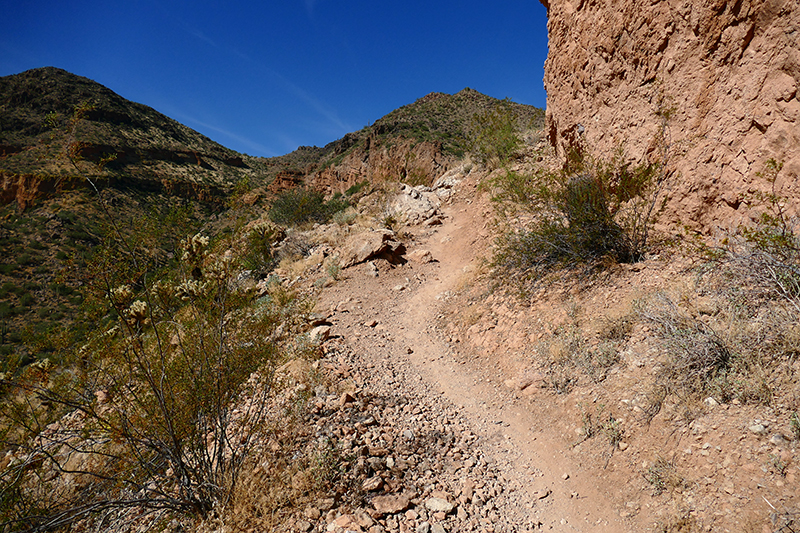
(369, 245)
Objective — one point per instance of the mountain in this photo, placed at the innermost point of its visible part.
(61, 133)
(47, 113)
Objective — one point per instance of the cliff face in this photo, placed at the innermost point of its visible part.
(376, 161)
(726, 73)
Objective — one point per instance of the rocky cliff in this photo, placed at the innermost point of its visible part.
(722, 76)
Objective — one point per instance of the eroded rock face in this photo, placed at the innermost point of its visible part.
(727, 71)
(400, 160)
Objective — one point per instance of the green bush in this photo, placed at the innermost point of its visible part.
(260, 242)
(299, 206)
(496, 139)
(588, 211)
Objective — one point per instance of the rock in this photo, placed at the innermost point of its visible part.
(373, 483)
(346, 398)
(424, 527)
(326, 504)
(644, 59)
(320, 334)
(711, 402)
(303, 525)
(312, 513)
(348, 522)
(421, 256)
(438, 528)
(364, 520)
(371, 244)
(390, 503)
(372, 270)
(778, 439)
(414, 205)
(758, 429)
(439, 505)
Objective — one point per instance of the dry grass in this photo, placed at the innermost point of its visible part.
(664, 477)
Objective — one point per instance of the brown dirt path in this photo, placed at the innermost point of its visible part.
(405, 302)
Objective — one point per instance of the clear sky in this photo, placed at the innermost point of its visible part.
(266, 77)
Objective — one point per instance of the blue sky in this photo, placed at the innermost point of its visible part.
(266, 77)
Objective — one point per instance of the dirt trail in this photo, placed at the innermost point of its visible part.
(405, 303)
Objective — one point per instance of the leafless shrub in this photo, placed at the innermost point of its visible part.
(663, 476)
(695, 353)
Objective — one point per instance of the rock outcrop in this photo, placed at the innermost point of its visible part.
(377, 161)
(721, 76)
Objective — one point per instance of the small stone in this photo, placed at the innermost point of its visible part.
(390, 503)
(623, 446)
(542, 494)
(303, 525)
(424, 527)
(312, 513)
(346, 398)
(438, 528)
(371, 323)
(711, 402)
(439, 505)
(758, 429)
(320, 333)
(565, 476)
(373, 483)
(777, 439)
(421, 256)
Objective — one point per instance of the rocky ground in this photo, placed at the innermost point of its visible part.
(456, 428)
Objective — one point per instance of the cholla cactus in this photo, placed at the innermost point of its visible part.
(194, 247)
(220, 267)
(136, 314)
(194, 252)
(121, 296)
(190, 289)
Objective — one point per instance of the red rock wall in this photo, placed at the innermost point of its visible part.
(401, 160)
(730, 72)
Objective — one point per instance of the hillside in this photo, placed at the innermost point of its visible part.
(48, 115)
(58, 131)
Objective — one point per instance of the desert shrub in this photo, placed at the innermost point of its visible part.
(766, 254)
(260, 242)
(568, 356)
(345, 217)
(587, 212)
(355, 189)
(663, 476)
(696, 355)
(497, 135)
(299, 206)
(159, 411)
